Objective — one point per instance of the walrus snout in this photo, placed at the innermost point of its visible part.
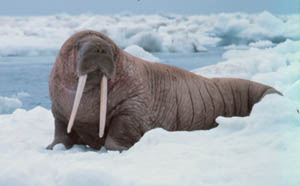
(95, 54)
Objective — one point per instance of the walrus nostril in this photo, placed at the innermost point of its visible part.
(100, 51)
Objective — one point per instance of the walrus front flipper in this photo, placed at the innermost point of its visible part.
(240, 95)
(61, 136)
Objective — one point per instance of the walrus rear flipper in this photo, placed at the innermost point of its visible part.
(258, 91)
(240, 95)
(271, 90)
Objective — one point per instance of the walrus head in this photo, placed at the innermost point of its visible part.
(95, 58)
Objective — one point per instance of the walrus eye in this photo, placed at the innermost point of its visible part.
(97, 50)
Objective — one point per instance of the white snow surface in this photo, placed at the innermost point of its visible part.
(261, 149)
(141, 53)
(43, 35)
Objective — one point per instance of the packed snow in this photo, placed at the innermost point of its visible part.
(262, 149)
(43, 35)
(141, 53)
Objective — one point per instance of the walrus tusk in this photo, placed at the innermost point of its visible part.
(103, 105)
(79, 91)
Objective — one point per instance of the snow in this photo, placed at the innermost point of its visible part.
(43, 35)
(261, 149)
(275, 66)
(261, 44)
(141, 53)
(150, 41)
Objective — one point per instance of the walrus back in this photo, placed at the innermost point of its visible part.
(183, 100)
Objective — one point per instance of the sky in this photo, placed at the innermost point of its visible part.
(75, 7)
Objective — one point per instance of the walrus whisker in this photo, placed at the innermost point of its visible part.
(103, 105)
(79, 91)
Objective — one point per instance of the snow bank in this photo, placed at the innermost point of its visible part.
(8, 105)
(278, 66)
(43, 35)
(141, 53)
(275, 122)
(262, 149)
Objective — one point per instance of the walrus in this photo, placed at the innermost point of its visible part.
(103, 96)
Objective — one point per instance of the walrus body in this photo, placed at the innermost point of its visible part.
(141, 95)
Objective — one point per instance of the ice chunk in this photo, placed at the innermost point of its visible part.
(22, 94)
(275, 66)
(43, 35)
(261, 44)
(8, 105)
(149, 41)
(140, 52)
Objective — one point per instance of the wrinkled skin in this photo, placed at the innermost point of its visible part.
(141, 95)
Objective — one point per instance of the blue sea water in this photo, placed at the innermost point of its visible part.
(30, 74)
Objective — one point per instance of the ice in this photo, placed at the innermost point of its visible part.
(261, 149)
(43, 35)
(261, 44)
(241, 28)
(278, 66)
(141, 53)
(22, 94)
(258, 150)
(8, 105)
(150, 41)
